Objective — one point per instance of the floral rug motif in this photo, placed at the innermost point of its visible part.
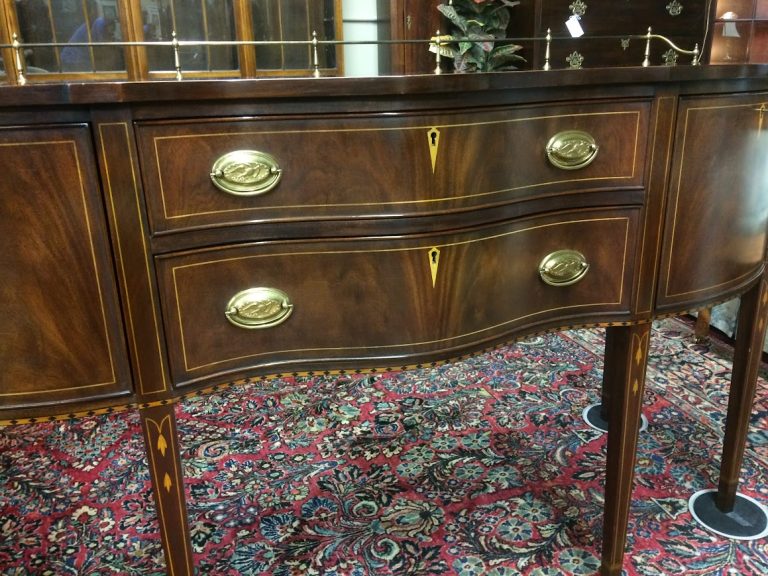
(480, 467)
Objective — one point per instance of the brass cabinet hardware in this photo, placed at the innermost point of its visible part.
(578, 7)
(575, 60)
(259, 308)
(18, 54)
(246, 172)
(572, 149)
(674, 8)
(563, 267)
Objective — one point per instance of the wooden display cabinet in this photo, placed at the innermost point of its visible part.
(386, 222)
(163, 238)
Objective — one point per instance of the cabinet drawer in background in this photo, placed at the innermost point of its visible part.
(400, 165)
(384, 301)
(684, 23)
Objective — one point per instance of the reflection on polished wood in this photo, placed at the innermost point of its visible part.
(411, 222)
(98, 39)
(701, 330)
(164, 39)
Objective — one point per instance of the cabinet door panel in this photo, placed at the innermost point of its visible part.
(60, 334)
(717, 217)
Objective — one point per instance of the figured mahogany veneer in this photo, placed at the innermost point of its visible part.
(363, 300)
(390, 165)
(718, 200)
(61, 329)
(407, 220)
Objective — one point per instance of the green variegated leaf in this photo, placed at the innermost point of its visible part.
(456, 19)
(477, 26)
(507, 49)
(468, 6)
(504, 57)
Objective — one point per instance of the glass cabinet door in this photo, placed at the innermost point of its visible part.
(740, 32)
(293, 20)
(134, 39)
(191, 20)
(73, 22)
(759, 48)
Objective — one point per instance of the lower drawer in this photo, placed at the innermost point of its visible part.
(382, 302)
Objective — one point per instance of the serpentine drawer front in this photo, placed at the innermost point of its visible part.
(222, 172)
(281, 304)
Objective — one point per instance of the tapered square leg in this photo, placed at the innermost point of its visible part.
(625, 365)
(749, 341)
(725, 511)
(160, 437)
(598, 415)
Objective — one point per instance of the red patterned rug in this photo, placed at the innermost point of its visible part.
(482, 467)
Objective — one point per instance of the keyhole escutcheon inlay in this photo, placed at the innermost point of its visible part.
(434, 262)
(433, 138)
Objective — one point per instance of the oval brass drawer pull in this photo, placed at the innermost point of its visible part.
(571, 149)
(259, 308)
(246, 172)
(563, 268)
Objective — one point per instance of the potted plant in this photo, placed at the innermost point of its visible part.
(477, 27)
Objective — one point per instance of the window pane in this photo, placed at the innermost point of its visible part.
(327, 31)
(295, 27)
(761, 10)
(293, 20)
(206, 20)
(266, 27)
(70, 21)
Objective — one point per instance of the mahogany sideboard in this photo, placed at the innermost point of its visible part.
(163, 237)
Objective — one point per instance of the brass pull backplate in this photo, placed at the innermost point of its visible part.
(259, 308)
(246, 172)
(563, 268)
(571, 149)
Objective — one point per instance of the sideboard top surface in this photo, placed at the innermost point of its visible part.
(522, 85)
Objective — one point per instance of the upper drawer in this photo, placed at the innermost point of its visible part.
(391, 301)
(397, 165)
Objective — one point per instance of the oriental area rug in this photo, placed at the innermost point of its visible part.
(482, 467)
